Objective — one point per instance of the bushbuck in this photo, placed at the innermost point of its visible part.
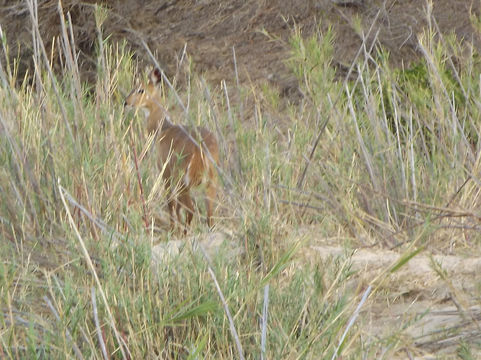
(187, 155)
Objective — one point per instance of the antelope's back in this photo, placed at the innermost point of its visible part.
(184, 156)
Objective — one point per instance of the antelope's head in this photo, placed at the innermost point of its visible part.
(145, 96)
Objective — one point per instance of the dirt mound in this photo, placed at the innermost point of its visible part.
(211, 30)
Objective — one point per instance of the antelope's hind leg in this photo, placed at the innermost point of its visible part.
(186, 203)
(210, 193)
(172, 204)
(173, 210)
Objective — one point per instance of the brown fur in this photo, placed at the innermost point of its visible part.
(186, 164)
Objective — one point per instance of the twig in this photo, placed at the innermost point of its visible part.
(300, 182)
(301, 205)
(97, 221)
(346, 3)
(237, 160)
(96, 277)
(448, 341)
(208, 97)
(351, 321)
(264, 321)
(67, 332)
(34, 19)
(4, 73)
(311, 155)
(19, 165)
(224, 303)
(236, 71)
(362, 145)
(69, 51)
(144, 207)
(97, 325)
(162, 73)
(60, 287)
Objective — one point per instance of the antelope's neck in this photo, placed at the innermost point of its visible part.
(157, 118)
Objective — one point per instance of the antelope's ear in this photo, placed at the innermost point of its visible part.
(155, 76)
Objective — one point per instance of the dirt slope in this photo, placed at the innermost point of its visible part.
(210, 30)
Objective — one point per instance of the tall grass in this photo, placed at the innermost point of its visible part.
(370, 161)
(400, 145)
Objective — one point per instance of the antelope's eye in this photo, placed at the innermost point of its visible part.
(140, 91)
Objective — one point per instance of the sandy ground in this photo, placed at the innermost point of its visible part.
(429, 312)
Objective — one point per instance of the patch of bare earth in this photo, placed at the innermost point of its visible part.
(430, 304)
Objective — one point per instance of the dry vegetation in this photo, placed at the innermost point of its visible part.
(348, 218)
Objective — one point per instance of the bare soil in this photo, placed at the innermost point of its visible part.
(211, 31)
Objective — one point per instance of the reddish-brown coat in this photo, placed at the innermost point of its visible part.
(186, 163)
